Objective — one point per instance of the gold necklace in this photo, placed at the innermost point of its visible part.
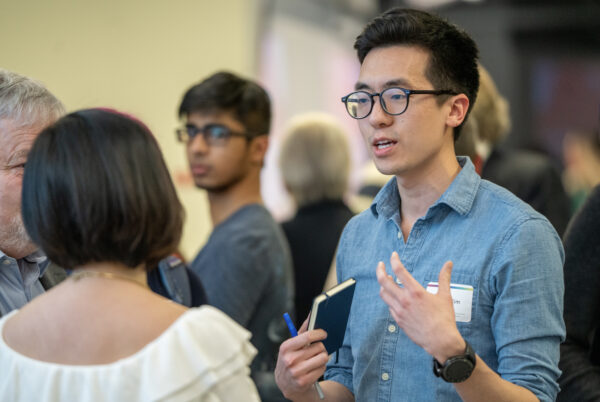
(76, 276)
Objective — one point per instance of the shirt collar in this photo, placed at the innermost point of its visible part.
(459, 195)
(37, 257)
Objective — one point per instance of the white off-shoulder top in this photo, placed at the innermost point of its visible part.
(203, 356)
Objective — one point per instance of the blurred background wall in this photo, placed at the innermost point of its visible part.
(140, 56)
(136, 56)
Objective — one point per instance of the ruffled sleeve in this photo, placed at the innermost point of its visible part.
(204, 349)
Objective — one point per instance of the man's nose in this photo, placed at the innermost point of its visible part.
(378, 116)
(198, 144)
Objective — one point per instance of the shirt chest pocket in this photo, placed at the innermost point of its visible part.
(464, 288)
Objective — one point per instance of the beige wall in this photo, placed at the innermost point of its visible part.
(136, 56)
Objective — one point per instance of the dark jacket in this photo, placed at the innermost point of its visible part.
(531, 177)
(580, 353)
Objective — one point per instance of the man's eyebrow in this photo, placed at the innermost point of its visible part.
(18, 156)
(359, 86)
(399, 82)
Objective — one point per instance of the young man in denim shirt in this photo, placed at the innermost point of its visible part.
(470, 304)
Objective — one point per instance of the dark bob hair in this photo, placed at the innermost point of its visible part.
(96, 189)
(224, 91)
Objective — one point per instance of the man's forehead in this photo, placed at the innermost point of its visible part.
(212, 117)
(396, 65)
(16, 139)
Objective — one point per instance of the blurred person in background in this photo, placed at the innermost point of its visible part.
(527, 174)
(245, 266)
(26, 107)
(581, 153)
(580, 353)
(315, 166)
(98, 200)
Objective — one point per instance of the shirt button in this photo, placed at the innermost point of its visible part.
(399, 234)
(385, 376)
(392, 328)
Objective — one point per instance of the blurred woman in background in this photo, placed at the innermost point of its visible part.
(315, 165)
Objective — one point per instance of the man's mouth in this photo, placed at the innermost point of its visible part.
(383, 144)
(199, 169)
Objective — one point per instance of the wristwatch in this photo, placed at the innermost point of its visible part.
(457, 368)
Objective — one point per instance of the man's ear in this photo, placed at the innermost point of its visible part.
(258, 149)
(458, 110)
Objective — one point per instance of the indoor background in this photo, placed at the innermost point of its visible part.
(140, 57)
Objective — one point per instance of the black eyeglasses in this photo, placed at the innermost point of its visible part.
(214, 134)
(393, 100)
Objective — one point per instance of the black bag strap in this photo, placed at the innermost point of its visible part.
(174, 277)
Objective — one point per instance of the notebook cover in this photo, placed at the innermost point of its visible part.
(331, 310)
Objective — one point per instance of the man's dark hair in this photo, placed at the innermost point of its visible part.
(224, 91)
(453, 61)
(96, 189)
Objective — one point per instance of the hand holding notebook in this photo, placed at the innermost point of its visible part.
(330, 311)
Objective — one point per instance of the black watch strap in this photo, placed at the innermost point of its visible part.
(456, 368)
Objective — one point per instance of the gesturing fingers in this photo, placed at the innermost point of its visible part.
(444, 279)
(402, 273)
(390, 292)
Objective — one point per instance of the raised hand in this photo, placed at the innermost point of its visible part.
(427, 319)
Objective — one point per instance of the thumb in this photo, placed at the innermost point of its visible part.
(444, 278)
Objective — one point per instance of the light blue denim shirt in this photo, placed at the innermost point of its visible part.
(507, 252)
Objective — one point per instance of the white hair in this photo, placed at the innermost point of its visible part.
(315, 159)
(26, 101)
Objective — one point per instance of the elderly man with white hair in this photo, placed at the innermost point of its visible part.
(26, 107)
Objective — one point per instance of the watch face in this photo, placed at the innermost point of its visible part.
(458, 370)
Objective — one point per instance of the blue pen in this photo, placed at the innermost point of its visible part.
(294, 333)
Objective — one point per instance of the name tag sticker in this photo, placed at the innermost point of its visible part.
(462, 296)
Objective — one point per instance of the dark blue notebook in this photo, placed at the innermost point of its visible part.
(330, 311)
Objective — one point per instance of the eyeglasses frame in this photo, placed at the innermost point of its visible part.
(182, 131)
(408, 93)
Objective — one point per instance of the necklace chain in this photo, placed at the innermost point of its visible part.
(76, 276)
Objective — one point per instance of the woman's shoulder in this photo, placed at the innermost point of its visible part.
(203, 347)
(199, 350)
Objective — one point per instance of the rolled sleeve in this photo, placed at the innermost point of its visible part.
(527, 321)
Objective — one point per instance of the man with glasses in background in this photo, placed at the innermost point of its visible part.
(470, 304)
(245, 266)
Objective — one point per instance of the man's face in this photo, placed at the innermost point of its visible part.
(411, 142)
(15, 143)
(218, 167)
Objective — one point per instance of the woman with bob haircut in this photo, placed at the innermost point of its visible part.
(98, 200)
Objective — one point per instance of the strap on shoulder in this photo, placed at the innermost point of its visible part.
(174, 277)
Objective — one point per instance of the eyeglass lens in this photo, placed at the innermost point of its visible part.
(393, 100)
(212, 133)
